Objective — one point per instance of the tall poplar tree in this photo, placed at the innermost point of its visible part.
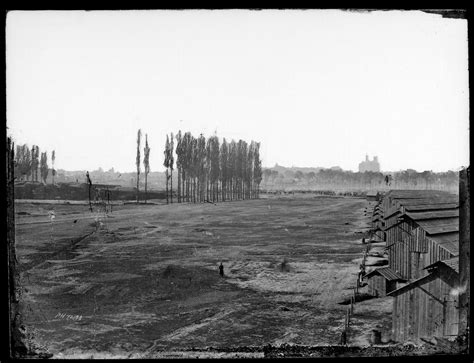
(166, 164)
(171, 164)
(44, 171)
(139, 135)
(27, 170)
(257, 169)
(223, 168)
(178, 162)
(146, 163)
(53, 158)
(34, 166)
(201, 150)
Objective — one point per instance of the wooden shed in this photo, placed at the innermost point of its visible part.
(382, 281)
(378, 223)
(393, 197)
(372, 196)
(428, 307)
(419, 234)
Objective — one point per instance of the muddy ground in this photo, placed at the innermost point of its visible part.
(145, 279)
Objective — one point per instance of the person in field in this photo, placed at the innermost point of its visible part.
(221, 270)
(343, 338)
(361, 274)
(90, 186)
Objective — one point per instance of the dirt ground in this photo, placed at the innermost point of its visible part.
(145, 279)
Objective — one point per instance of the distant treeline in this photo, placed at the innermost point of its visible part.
(209, 170)
(347, 180)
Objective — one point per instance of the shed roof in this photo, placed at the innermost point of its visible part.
(452, 263)
(393, 225)
(416, 198)
(415, 192)
(449, 241)
(417, 195)
(439, 225)
(420, 204)
(387, 273)
(372, 193)
(425, 201)
(391, 212)
(445, 237)
(427, 207)
(423, 215)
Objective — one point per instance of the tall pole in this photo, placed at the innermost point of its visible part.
(464, 250)
(16, 337)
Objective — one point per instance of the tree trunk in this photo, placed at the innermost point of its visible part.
(198, 190)
(166, 176)
(16, 336)
(179, 185)
(90, 202)
(465, 251)
(138, 186)
(171, 186)
(183, 186)
(146, 187)
(223, 190)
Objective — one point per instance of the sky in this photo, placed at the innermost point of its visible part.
(315, 87)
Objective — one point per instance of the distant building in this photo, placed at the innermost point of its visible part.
(369, 165)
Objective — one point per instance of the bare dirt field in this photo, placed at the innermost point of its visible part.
(146, 281)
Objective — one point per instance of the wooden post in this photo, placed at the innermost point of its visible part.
(13, 303)
(464, 250)
(352, 306)
(16, 338)
(344, 337)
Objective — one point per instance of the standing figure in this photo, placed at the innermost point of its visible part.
(361, 274)
(221, 270)
(343, 338)
(90, 186)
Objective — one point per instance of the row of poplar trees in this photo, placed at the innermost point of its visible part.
(146, 163)
(210, 171)
(28, 162)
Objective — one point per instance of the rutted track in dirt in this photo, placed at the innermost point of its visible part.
(67, 250)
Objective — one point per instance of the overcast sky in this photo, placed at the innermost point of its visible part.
(315, 87)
